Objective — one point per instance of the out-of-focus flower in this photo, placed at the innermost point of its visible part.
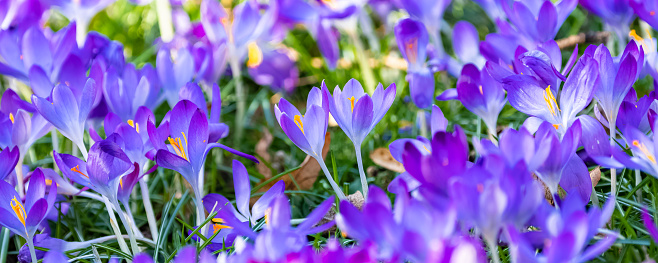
(650, 225)
(174, 70)
(568, 232)
(81, 12)
(274, 69)
(466, 43)
(308, 131)
(480, 94)
(9, 157)
(186, 254)
(412, 40)
(617, 14)
(538, 21)
(66, 112)
(646, 10)
(126, 91)
(430, 13)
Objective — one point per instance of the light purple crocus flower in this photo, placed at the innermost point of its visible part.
(430, 13)
(528, 95)
(66, 112)
(276, 70)
(174, 72)
(538, 21)
(124, 92)
(480, 94)
(192, 92)
(617, 15)
(466, 43)
(308, 131)
(189, 144)
(616, 78)
(81, 12)
(568, 232)
(412, 41)
(24, 217)
(357, 113)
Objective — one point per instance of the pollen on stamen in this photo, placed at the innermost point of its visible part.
(77, 170)
(11, 117)
(353, 100)
(298, 121)
(19, 210)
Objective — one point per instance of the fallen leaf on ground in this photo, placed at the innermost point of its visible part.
(382, 157)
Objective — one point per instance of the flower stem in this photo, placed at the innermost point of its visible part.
(19, 177)
(4, 244)
(493, 248)
(362, 174)
(613, 171)
(128, 227)
(81, 32)
(638, 179)
(423, 123)
(333, 184)
(163, 9)
(364, 64)
(240, 97)
(200, 212)
(115, 227)
(150, 216)
(30, 245)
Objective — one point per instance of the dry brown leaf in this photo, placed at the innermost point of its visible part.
(382, 157)
(595, 175)
(304, 176)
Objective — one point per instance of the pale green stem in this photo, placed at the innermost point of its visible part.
(364, 63)
(333, 184)
(423, 123)
(115, 227)
(4, 244)
(613, 171)
(240, 97)
(594, 197)
(19, 177)
(638, 179)
(54, 139)
(128, 227)
(163, 9)
(362, 174)
(30, 245)
(81, 31)
(435, 37)
(493, 248)
(150, 216)
(200, 211)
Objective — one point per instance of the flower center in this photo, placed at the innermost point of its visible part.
(134, 125)
(19, 210)
(254, 54)
(300, 124)
(411, 50)
(551, 103)
(77, 170)
(11, 117)
(219, 225)
(268, 213)
(353, 101)
(644, 150)
(177, 144)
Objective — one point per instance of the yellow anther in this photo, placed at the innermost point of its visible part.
(635, 36)
(178, 146)
(481, 91)
(353, 100)
(551, 103)
(298, 121)
(19, 210)
(343, 234)
(254, 54)
(267, 215)
(134, 125)
(11, 117)
(556, 126)
(644, 150)
(77, 170)
(219, 225)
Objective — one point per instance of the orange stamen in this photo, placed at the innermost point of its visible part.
(298, 121)
(644, 150)
(77, 170)
(19, 210)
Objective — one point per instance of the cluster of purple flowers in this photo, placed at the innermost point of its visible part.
(526, 188)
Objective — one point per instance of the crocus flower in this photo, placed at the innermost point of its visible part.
(412, 40)
(9, 157)
(242, 186)
(124, 92)
(174, 70)
(276, 70)
(480, 94)
(526, 94)
(22, 14)
(23, 218)
(616, 14)
(538, 21)
(308, 131)
(363, 115)
(466, 42)
(650, 225)
(646, 10)
(568, 232)
(66, 112)
(192, 92)
(186, 254)
(430, 13)
(81, 13)
(617, 78)
(644, 151)
(188, 146)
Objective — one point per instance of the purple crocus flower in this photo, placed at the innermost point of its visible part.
(9, 157)
(174, 71)
(276, 70)
(189, 144)
(66, 112)
(192, 92)
(568, 232)
(528, 95)
(646, 10)
(430, 13)
(308, 131)
(617, 15)
(186, 254)
(617, 78)
(23, 217)
(538, 21)
(650, 225)
(466, 42)
(126, 91)
(480, 94)
(412, 40)
(364, 114)
(595, 142)
(242, 186)
(644, 151)
(81, 12)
